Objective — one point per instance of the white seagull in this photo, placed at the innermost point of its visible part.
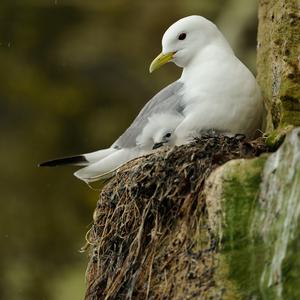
(215, 91)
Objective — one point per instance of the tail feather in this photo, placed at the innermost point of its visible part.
(78, 160)
(100, 154)
(105, 167)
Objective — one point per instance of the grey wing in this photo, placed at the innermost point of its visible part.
(167, 100)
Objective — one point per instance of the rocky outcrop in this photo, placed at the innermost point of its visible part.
(278, 65)
(254, 207)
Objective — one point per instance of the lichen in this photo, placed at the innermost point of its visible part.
(259, 223)
(239, 181)
(276, 137)
(278, 219)
(278, 61)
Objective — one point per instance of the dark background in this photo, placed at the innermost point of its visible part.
(73, 76)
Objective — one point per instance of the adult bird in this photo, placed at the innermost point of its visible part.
(218, 91)
(215, 91)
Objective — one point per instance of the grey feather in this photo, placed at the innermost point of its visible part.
(168, 100)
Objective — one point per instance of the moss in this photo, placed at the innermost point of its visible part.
(277, 61)
(260, 222)
(291, 269)
(276, 137)
(244, 255)
(290, 103)
(278, 220)
(290, 117)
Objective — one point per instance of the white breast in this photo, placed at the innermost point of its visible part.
(222, 94)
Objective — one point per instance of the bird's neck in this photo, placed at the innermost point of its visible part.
(212, 54)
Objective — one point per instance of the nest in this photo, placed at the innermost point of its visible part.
(150, 238)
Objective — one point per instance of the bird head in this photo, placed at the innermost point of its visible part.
(159, 131)
(183, 40)
(164, 136)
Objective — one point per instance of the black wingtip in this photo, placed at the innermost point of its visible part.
(71, 160)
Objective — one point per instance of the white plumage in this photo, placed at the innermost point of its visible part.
(215, 91)
(218, 90)
(158, 132)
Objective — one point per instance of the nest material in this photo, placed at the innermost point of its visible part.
(150, 238)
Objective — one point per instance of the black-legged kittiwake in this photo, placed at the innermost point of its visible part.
(215, 91)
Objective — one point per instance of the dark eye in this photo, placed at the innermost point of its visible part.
(182, 36)
(168, 135)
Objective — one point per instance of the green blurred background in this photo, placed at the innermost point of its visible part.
(73, 76)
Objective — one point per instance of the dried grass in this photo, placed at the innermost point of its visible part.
(150, 238)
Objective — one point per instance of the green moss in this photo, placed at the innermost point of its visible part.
(291, 269)
(290, 103)
(244, 256)
(276, 137)
(290, 117)
(277, 61)
(261, 223)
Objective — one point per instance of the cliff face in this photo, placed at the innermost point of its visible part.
(258, 222)
(278, 60)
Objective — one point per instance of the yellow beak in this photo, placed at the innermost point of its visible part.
(160, 60)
